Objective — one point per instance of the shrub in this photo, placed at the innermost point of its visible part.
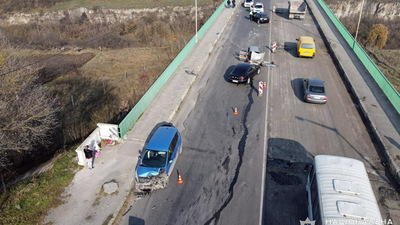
(377, 36)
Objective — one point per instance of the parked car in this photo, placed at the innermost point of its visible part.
(314, 91)
(248, 3)
(260, 18)
(305, 46)
(257, 7)
(157, 161)
(244, 72)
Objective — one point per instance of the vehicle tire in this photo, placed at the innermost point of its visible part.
(258, 71)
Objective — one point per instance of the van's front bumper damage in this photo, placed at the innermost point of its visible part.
(148, 184)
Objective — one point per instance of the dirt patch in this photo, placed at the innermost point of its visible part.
(389, 193)
(388, 62)
(62, 64)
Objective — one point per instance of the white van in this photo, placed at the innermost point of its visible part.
(339, 192)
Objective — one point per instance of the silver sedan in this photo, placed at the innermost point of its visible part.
(314, 91)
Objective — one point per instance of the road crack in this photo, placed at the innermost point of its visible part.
(241, 148)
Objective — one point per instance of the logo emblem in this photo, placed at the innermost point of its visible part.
(307, 222)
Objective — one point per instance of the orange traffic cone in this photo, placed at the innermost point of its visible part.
(265, 84)
(180, 180)
(235, 112)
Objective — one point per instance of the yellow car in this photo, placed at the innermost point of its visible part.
(305, 46)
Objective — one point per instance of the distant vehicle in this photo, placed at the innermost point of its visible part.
(244, 72)
(158, 159)
(297, 9)
(305, 46)
(257, 7)
(339, 192)
(260, 18)
(248, 3)
(314, 91)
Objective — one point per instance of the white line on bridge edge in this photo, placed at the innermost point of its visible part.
(264, 167)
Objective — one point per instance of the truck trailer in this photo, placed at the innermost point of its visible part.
(297, 9)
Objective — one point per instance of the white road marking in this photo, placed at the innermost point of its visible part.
(265, 133)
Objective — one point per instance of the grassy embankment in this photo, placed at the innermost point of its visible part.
(388, 62)
(28, 201)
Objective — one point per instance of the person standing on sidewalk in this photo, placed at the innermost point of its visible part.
(229, 3)
(233, 3)
(95, 153)
(89, 156)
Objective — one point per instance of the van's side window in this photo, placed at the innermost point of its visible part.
(172, 146)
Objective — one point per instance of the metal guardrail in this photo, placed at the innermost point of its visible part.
(387, 88)
(128, 122)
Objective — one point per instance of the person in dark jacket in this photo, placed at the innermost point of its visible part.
(89, 156)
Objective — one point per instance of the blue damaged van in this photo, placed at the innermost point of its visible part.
(157, 161)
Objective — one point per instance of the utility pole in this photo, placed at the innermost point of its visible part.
(195, 3)
(359, 20)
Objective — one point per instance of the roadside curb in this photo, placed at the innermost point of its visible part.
(356, 96)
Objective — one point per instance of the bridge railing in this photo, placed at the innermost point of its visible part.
(379, 77)
(127, 123)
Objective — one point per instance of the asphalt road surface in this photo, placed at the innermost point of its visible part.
(297, 131)
(250, 168)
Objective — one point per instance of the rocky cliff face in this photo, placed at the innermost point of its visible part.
(107, 16)
(386, 11)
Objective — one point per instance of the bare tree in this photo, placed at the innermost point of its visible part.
(28, 112)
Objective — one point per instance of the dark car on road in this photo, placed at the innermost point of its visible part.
(260, 18)
(314, 91)
(244, 72)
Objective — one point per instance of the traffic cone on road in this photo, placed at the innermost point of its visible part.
(180, 180)
(265, 84)
(235, 112)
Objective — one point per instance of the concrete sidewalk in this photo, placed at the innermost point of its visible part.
(85, 201)
(378, 112)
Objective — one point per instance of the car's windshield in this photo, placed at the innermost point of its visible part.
(153, 158)
(307, 46)
(249, 0)
(317, 89)
(258, 6)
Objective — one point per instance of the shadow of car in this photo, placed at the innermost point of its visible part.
(297, 87)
